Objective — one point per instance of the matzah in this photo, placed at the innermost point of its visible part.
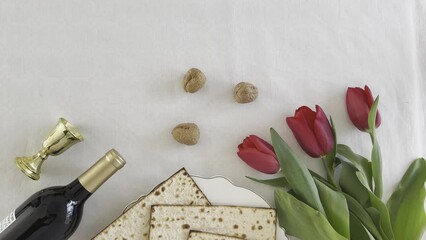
(175, 222)
(197, 235)
(134, 224)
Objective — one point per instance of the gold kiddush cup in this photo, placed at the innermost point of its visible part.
(62, 137)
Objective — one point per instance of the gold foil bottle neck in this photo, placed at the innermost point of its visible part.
(115, 158)
(101, 171)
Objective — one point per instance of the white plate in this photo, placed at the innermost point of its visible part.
(221, 191)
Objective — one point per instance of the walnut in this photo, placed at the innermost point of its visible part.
(186, 133)
(245, 92)
(193, 80)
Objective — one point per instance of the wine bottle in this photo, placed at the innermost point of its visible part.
(55, 213)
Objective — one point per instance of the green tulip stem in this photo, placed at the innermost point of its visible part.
(376, 166)
(330, 172)
(376, 158)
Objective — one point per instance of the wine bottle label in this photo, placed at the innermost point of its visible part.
(7, 221)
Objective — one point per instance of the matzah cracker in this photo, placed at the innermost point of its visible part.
(197, 235)
(134, 224)
(175, 222)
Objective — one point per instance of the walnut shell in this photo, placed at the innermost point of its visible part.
(245, 92)
(193, 80)
(186, 133)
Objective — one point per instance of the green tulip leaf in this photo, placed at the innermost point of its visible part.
(362, 215)
(355, 209)
(318, 177)
(331, 157)
(363, 180)
(376, 158)
(283, 183)
(375, 215)
(335, 207)
(406, 205)
(274, 182)
(358, 231)
(296, 173)
(350, 183)
(372, 115)
(345, 153)
(385, 223)
(294, 215)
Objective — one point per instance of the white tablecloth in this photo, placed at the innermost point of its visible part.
(114, 69)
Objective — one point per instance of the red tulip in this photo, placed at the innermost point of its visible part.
(312, 131)
(358, 104)
(258, 154)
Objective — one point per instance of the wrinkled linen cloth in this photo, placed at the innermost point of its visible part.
(114, 69)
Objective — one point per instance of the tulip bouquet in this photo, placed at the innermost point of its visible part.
(347, 203)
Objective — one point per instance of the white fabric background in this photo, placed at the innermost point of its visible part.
(114, 69)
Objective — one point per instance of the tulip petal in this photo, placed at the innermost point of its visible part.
(323, 132)
(370, 100)
(306, 114)
(260, 161)
(368, 96)
(304, 136)
(262, 145)
(240, 147)
(247, 143)
(357, 108)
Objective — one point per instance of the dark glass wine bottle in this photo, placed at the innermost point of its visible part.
(54, 213)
